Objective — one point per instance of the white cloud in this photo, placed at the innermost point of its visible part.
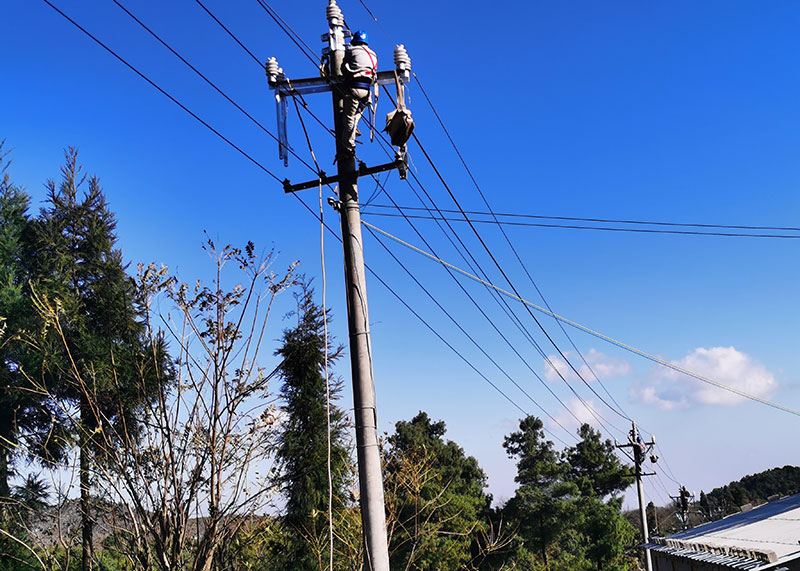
(669, 389)
(579, 410)
(604, 366)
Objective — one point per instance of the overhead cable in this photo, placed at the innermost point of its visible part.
(592, 332)
(511, 285)
(231, 34)
(474, 342)
(514, 250)
(609, 220)
(163, 92)
(262, 167)
(202, 76)
(502, 223)
(504, 305)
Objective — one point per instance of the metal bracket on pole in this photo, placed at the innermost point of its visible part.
(283, 138)
(363, 170)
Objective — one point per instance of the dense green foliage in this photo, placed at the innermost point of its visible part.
(304, 448)
(755, 489)
(435, 497)
(29, 422)
(563, 518)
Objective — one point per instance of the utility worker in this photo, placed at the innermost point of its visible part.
(360, 68)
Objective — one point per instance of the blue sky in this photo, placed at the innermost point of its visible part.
(675, 112)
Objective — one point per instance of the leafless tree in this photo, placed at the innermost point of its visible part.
(177, 484)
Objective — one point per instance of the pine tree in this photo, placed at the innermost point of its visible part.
(29, 422)
(303, 447)
(100, 357)
(593, 465)
(544, 504)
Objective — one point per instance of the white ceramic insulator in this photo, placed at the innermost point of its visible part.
(274, 71)
(334, 14)
(401, 58)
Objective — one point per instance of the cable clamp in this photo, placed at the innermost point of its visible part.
(336, 204)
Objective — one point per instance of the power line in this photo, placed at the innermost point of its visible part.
(162, 91)
(369, 11)
(231, 34)
(514, 250)
(204, 78)
(287, 29)
(504, 305)
(608, 220)
(250, 158)
(484, 377)
(510, 283)
(667, 469)
(501, 301)
(597, 334)
(502, 223)
(261, 66)
(491, 322)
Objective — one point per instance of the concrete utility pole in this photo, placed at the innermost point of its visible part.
(640, 451)
(370, 477)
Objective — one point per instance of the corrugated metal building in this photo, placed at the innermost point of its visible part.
(762, 538)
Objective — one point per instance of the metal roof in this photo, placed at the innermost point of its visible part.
(758, 539)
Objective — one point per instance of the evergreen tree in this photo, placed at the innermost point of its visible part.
(544, 505)
(28, 420)
(606, 535)
(98, 353)
(592, 464)
(757, 488)
(435, 497)
(303, 447)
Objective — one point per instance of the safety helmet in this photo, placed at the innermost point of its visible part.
(360, 37)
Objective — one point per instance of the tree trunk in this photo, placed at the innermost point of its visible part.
(5, 490)
(87, 522)
(544, 544)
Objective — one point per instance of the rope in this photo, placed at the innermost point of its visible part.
(327, 378)
(585, 329)
(325, 328)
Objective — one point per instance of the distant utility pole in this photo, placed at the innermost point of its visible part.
(682, 501)
(640, 451)
(370, 477)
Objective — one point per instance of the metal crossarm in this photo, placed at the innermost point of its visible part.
(291, 87)
(363, 170)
